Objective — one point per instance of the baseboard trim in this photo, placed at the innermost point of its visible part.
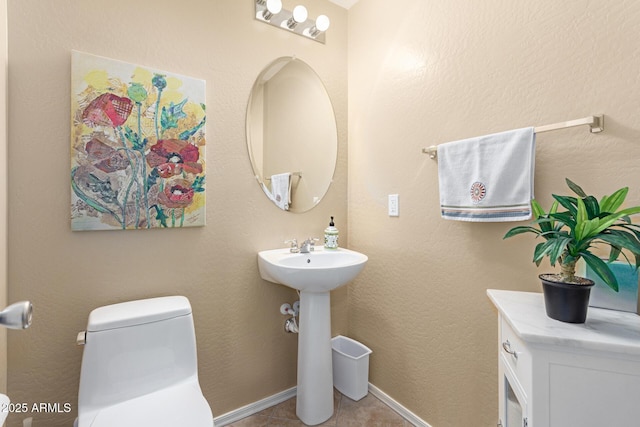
(401, 410)
(254, 408)
(268, 402)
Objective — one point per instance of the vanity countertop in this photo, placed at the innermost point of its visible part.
(604, 330)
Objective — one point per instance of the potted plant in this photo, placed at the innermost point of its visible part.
(572, 234)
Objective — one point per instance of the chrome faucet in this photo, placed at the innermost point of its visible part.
(294, 246)
(308, 245)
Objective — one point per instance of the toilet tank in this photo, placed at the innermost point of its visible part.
(135, 348)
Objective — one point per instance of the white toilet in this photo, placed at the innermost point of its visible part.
(139, 367)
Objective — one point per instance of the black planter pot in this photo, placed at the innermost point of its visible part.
(566, 302)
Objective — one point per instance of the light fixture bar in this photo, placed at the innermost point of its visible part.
(296, 21)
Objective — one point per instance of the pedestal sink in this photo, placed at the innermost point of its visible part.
(314, 274)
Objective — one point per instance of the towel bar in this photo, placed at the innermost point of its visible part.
(298, 174)
(595, 123)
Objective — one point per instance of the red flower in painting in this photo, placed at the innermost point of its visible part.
(177, 194)
(171, 156)
(107, 110)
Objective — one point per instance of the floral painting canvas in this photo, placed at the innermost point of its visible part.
(137, 146)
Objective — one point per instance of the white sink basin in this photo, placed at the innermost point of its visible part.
(317, 271)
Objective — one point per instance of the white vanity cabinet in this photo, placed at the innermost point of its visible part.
(556, 374)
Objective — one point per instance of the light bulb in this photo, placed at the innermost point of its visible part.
(322, 23)
(299, 15)
(273, 8)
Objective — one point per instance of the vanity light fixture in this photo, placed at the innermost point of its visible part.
(296, 21)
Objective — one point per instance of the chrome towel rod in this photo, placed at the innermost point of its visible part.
(595, 123)
(298, 174)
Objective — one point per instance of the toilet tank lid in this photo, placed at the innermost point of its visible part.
(137, 312)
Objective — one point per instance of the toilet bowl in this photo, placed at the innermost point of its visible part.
(139, 367)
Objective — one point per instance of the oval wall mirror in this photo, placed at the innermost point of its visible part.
(292, 136)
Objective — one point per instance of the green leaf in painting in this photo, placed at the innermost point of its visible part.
(160, 216)
(198, 184)
(152, 179)
(190, 132)
(133, 137)
(172, 114)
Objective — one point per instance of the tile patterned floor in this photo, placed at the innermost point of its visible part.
(367, 412)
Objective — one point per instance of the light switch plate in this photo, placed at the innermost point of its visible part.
(394, 209)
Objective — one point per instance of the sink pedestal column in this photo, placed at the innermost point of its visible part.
(315, 372)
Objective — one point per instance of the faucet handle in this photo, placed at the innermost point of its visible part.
(311, 242)
(294, 245)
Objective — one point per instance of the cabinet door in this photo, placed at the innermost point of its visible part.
(593, 392)
(513, 399)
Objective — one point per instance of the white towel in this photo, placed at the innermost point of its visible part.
(488, 178)
(281, 190)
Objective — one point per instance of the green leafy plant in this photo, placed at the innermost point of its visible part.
(572, 234)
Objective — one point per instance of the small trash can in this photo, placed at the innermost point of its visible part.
(350, 367)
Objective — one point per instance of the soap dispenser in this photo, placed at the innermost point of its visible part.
(331, 236)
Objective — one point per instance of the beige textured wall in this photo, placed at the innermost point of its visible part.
(244, 354)
(425, 72)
